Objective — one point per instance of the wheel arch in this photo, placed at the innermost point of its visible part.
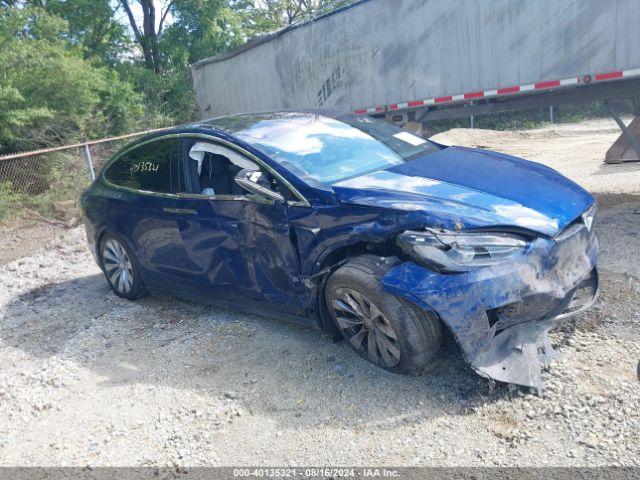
(341, 255)
(328, 262)
(100, 233)
(421, 327)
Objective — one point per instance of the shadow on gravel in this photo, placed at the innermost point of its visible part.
(290, 374)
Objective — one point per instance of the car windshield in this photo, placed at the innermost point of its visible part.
(324, 150)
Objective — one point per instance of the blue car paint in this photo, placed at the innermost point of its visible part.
(279, 257)
(237, 247)
(227, 250)
(464, 188)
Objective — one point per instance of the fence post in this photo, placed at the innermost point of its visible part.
(551, 116)
(472, 122)
(87, 157)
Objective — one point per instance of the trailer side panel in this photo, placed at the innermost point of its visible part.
(390, 52)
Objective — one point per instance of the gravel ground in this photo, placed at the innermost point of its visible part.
(90, 379)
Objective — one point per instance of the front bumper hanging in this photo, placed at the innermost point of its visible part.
(501, 315)
(516, 353)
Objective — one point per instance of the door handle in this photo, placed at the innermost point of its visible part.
(180, 211)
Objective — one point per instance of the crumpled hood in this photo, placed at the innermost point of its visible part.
(461, 187)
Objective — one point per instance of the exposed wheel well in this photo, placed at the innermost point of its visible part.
(339, 257)
(342, 255)
(419, 331)
(332, 262)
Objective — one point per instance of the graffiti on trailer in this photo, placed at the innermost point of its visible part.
(328, 87)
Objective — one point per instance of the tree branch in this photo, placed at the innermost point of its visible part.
(163, 16)
(293, 16)
(132, 20)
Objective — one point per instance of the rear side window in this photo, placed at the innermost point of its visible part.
(147, 167)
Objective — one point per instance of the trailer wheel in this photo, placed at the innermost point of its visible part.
(384, 329)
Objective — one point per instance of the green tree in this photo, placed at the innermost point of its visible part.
(15, 114)
(50, 94)
(269, 15)
(201, 28)
(148, 34)
(168, 97)
(198, 29)
(92, 24)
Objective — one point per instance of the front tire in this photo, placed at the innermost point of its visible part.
(121, 269)
(384, 329)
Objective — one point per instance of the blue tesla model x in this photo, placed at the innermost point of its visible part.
(352, 225)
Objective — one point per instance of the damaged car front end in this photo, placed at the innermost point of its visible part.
(500, 294)
(505, 251)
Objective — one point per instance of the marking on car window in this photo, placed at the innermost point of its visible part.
(144, 167)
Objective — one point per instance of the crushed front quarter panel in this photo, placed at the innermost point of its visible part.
(550, 268)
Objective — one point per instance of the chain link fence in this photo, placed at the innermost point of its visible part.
(40, 192)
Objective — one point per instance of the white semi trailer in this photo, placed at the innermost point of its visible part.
(421, 60)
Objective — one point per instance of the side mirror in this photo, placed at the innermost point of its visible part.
(253, 181)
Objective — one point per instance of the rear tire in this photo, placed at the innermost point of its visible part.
(387, 330)
(121, 268)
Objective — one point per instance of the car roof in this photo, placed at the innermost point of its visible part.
(209, 126)
(325, 112)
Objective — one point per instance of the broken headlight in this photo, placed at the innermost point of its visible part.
(460, 251)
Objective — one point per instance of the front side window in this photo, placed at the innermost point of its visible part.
(147, 167)
(213, 168)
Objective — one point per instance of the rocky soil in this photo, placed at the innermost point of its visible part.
(90, 379)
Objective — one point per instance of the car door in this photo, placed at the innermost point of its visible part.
(141, 208)
(239, 245)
